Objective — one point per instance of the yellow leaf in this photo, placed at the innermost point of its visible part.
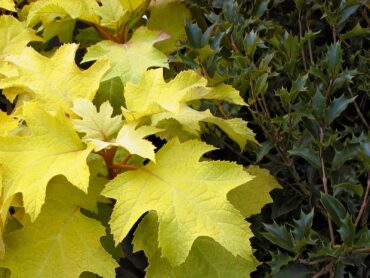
(250, 197)
(207, 258)
(222, 92)
(96, 125)
(170, 19)
(189, 118)
(132, 139)
(46, 11)
(161, 100)
(52, 149)
(7, 123)
(56, 81)
(188, 196)
(112, 14)
(14, 35)
(133, 5)
(129, 61)
(153, 95)
(8, 5)
(61, 243)
(100, 126)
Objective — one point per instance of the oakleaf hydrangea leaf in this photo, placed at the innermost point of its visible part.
(153, 95)
(132, 5)
(170, 19)
(96, 125)
(14, 35)
(8, 123)
(160, 100)
(112, 14)
(52, 149)
(132, 139)
(62, 242)
(222, 92)
(250, 197)
(56, 81)
(46, 11)
(61, 28)
(7, 5)
(5, 203)
(189, 118)
(130, 60)
(188, 196)
(111, 90)
(207, 258)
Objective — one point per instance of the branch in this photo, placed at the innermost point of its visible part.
(364, 201)
(300, 37)
(309, 44)
(364, 14)
(323, 271)
(325, 184)
(108, 156)
(361, 250)
(105, 33)
(315, 261)
(358, 108)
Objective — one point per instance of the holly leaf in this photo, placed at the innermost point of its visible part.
(56, 81)
(96, 125)
(250, 197)
(130, 60)
(52, 149)
(207, 258)
(8, 5)
(14, 35)
(64, 247)
(170, 19)
(184, 197)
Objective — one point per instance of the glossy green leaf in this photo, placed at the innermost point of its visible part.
(279, 235)
(334, 208)
(307, 154)
(337, 106)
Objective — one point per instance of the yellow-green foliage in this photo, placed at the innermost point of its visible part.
(60, 155)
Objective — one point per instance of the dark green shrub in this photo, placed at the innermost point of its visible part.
(303, 67)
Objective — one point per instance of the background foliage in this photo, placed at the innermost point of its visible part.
(303, 68)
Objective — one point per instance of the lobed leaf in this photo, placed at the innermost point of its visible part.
(189, 198)
(53, 82)
(64, 247)
(207, 258)
(129, 61)
(250, 197)
(52, 149)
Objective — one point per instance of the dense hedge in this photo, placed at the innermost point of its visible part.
(303, 67)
